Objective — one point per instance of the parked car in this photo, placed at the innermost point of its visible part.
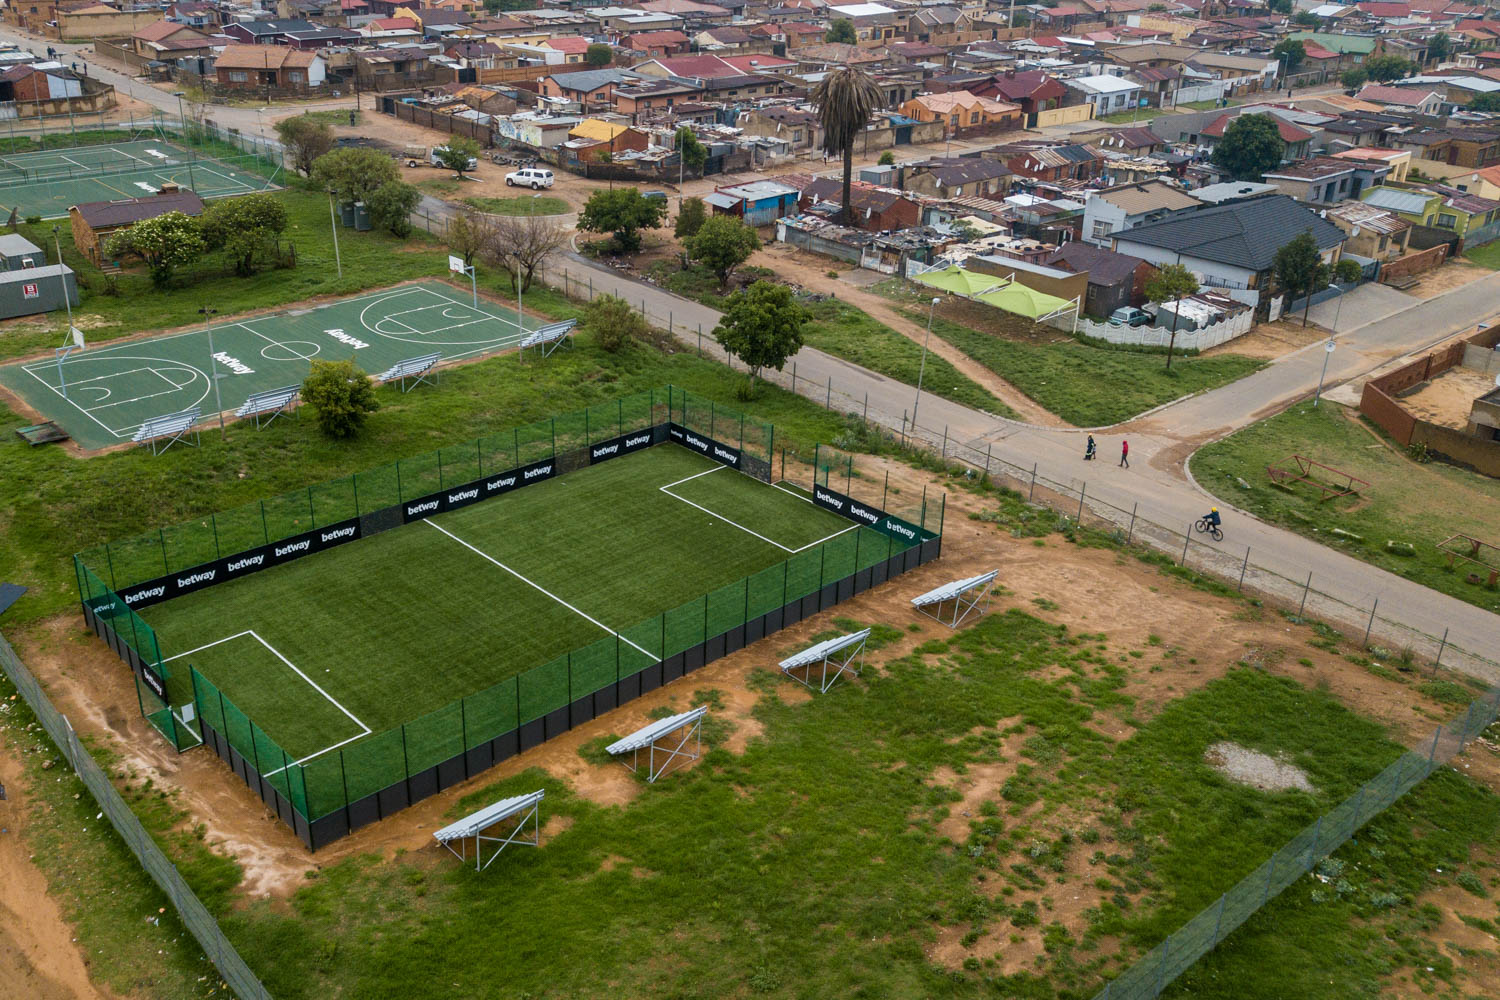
(655, 195)
(1129, 316)
(532, 177)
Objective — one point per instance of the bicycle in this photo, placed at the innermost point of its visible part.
(1212, 530)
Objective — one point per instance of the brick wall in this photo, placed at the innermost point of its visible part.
(1414, 263)
(1379, 403)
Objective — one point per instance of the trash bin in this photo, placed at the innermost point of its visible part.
(346, 214)
(361, 217)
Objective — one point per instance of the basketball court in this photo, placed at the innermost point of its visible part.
(101, 395)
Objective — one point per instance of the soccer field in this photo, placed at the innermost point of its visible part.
(101, 395)
(535, 592)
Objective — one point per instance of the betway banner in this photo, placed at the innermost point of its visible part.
(622, 445)
(480, 489)
(868, 515)
(164, 588)
(705, 445)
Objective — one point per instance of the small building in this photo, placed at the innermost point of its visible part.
(959, 177)
(18, 253)
(1108, 94)
(255, 67)
(593, 137)
(1413, 100)
(1112, 211)
(93, 222)
(1373, 232)
(876, 209)
(1296, 139)
(1116, 280)
(963, 112)
(1327, 180)
(32, 290)
(759, 203)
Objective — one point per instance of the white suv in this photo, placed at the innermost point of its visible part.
(532, 177)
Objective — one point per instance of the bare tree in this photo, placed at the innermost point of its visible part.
(470, 233)
(521, 243)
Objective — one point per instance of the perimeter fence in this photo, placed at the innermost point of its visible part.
(194, 915)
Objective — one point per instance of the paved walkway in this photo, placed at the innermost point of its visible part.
(1158, 484)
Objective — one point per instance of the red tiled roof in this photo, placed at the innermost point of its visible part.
(1288, 131)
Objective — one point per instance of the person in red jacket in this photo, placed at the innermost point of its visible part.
(1125, 453)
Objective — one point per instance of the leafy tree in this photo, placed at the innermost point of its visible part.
(1252, 144)
(305, 139)
(841, 32)
(165, 243)
(762, 326)
(689, 218)
(1386, 68)
(1293, 51)
(1489, 103)
(353, 174)
(1353, 78)
(242, 227)
(470, 233)
(623, 213)
(391, 206)
(1171, 283)
(1439, 47)
(598, 54)
(496, 6)
(1307, 19)
(887, 159)
(457, 154)
(846, 100)
(342, 394)
(1281, 6)
(722, 244)
(1300, 270)
(613, 323)
(694, 153)
(1347, 272)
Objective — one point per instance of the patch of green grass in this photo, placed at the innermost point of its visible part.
(1065, 376)
(335, 116)
(1406, 501)
(1485, 255)
(520, 205)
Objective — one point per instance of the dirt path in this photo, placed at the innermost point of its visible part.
(811, 272)
(38, 957)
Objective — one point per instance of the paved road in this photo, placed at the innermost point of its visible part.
(1158, 481)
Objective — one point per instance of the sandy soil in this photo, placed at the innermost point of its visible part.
(39, 957)
(1447, 399)
(1187, 637)
(1270, 340)
(1452, 274)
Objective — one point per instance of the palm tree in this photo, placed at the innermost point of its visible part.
(846, 99)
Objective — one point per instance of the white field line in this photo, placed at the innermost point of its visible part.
(794, 493)
(826, 538)
(539, 587)
(311, 683)
(705, 472)
(667, 489)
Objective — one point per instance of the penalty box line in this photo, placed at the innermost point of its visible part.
(667, 489)
(536, 586)
(311, 683)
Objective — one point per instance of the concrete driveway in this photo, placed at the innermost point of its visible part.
(1356, 307)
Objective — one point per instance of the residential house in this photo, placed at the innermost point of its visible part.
(1456, 146)
(1298, 140)
(1233, 245)
(1135, 141)
(1243, 74)
(728, 38)
(265, 32)
(589, 87)
(93, 222)
(1327, 180)
(876, 209)
(1373, 232)
(394, 68)
(964, 113)
(655, 44)
(194, 13)
(591, 138)
(152, 41)
(646, 96)
(959, 177)
(1116, 280)
(572, 47)
(82, 22)
(1441, 207)
(479, 55)
(759, 203)
(874, 24)
(1413, 100)
(694, 14)
(1033, 90)
(1397, 161)
(1114, 210)
(1041, 160)
(260, 67)
(797, 126)
(945, 25)
(1108, 94)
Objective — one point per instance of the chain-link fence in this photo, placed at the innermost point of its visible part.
(195, 916)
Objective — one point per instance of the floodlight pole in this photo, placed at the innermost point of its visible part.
(181, 121)
(213, 365)
(68, 342)
(333, 225)
(922, 370)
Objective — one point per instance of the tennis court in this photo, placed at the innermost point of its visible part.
(102, 395)
(47, 182)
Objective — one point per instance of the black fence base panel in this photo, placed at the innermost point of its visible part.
(474, 761)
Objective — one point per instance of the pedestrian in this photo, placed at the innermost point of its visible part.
(1088, 451)
(1124, 453)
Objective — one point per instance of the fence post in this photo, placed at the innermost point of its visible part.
(1130, 534)
(1371, 624)
(1305, 588)
(1244, 566)
(1312, 848)
(1186, 538)
(1032, 494)
(1432, 753)
(866, 417)
(1083, 491)
(1161, 968)
(1219, 919)
(1441, 646)
(700, 340)
(828, 401)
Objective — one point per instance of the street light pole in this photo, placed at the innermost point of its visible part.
(1327, 353)
(333, 224)
(181, 120)
(208, 312)
(922, 370)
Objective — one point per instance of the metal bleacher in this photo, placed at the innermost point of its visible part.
(269, 404)
(550, 337)
(160, 433)
(415, 370)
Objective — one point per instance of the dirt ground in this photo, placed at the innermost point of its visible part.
(1270, 340)
(1189, 639)
(1447, 399)
(1452, 274)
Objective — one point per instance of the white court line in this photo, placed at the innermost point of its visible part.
(317, 349)
(668, 491)
(537, 586)
(827, 538)
(312, 683)
(705, 472)
(793, 493)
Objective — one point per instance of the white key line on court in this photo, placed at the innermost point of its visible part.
(312, 683)
(544, 590)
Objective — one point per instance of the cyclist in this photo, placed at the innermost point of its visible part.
(1213, 519)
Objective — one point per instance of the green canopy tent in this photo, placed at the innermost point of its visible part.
(1015, 297)
(957, 281)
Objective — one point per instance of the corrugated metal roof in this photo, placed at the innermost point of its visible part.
(1409, 202)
